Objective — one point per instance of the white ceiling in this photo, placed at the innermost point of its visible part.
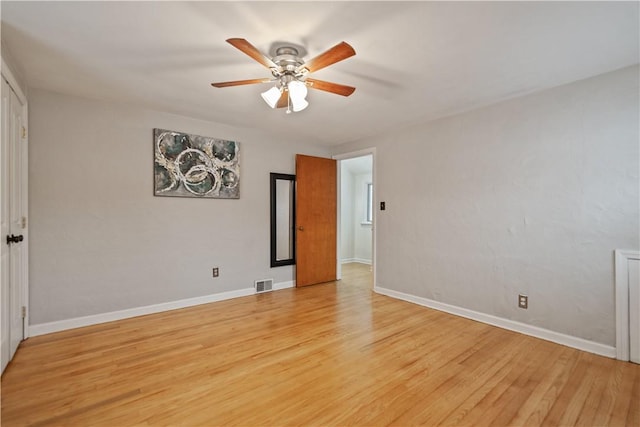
(415, 60)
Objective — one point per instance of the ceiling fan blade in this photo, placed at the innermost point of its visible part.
(284, 100)
(331, 87)
(252, 51)
(342, 50)
(241, 82)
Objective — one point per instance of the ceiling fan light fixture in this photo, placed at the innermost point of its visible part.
(272, 96)
(290, 71)
(299, 105)
(298, 89)
(297, 94)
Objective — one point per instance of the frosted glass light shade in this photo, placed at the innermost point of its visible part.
(297, 94)
(299, 105)
(272, 96)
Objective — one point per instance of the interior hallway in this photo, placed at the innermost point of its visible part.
(357, 274)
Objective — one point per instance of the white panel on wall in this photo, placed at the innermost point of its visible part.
(634, 310)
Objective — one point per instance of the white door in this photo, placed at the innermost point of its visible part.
(4, 221)
(634, 310)
(13, 223)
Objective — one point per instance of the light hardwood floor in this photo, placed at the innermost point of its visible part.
(331, 354)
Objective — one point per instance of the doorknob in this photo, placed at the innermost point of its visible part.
(14, 239)
(301, 228)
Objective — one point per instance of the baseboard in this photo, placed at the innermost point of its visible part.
(78, 322)
(559, 338)
(284, 285)
(523, 328)
(358, 260)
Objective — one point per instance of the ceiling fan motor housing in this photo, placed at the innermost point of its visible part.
(288, 61)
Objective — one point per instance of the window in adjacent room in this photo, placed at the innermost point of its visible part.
(369, 217)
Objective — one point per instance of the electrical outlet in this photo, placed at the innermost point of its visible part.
(523, 301)
(216, 271)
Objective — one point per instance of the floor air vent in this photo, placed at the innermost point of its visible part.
(264, 285)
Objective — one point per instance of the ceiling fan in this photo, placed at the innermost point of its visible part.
(290, 73)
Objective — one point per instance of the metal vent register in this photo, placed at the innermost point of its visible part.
(264, 285)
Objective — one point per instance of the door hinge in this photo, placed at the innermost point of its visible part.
(24, 132)
(24, 311)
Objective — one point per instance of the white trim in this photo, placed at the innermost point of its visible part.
(344, 156)
(338, 220)
(78, 322)
(8, 74)
(284, 285)
(25, 213)
(358, 260)
(353, 154)
(622, 258)
(523, 328)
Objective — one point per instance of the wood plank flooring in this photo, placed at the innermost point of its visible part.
(331, 354)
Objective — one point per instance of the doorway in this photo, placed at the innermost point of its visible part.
(356, 216)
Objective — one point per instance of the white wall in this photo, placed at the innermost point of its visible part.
(100, 240)
(530, 196)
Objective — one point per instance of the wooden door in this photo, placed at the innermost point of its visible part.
(316, 220)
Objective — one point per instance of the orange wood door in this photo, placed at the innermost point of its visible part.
(316, 213)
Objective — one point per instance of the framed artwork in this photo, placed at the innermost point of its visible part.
(188, 165)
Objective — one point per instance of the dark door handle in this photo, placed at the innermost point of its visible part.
(14, 239)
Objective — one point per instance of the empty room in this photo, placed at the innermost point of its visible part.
(342, 213)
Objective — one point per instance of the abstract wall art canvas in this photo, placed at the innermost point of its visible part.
(188, 165)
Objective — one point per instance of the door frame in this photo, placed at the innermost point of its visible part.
(7, 74)
(374, 228)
